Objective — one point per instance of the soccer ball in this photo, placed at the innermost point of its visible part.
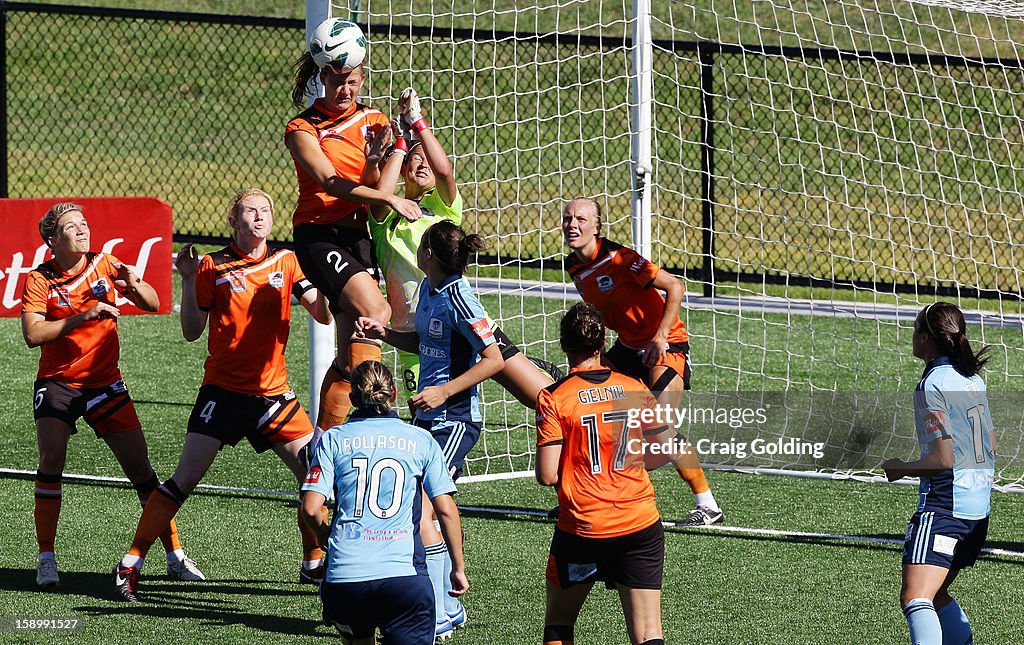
(338, 43)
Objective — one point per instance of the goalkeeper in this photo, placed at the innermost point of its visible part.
(653, 345)
(422, 162)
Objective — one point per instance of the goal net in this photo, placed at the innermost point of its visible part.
(821, 170)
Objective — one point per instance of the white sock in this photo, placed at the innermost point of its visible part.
(131, 561)
(309, 565)
(707, 499)
(175, 556)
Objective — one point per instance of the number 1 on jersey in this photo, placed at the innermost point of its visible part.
(589, 422)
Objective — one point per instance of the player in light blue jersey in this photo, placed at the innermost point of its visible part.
(457, 351)
(956, 468)
(429, 180)
(376, 466)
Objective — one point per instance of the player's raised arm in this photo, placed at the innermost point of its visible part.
(193, 318)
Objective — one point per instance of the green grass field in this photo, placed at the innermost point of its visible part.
(727, 587)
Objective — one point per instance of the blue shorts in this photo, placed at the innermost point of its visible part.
(943, 540)
(456, 439)
(403, 609)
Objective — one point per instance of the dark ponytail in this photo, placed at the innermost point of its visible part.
(304, 83)
(581, 332)
(945, 323)
(451, 246)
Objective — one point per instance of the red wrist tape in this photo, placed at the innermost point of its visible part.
(401, 144)
(420, 125)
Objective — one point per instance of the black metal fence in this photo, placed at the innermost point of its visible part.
(800, 166)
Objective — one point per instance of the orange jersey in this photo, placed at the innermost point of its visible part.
(618, 282)
(343, 139)
(87, 356)
(249, 302)
(603, 489)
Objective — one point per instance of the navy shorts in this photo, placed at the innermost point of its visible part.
(943, 540)
(456, 439)
(403, 609)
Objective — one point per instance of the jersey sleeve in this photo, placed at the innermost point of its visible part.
(299, 124)
(436, 480)
(300, 285)
(206, 281)
(640, 269)
(470, 318)
(549, 429)
(320, 477)
(932, 413)
(35, 294)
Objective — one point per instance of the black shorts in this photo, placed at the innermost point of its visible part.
(403, 608)
(105, 409)
(635, 560)
(266, 421)
(631, 362)
(331, 255)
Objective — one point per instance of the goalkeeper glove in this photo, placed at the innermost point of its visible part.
(409, 104)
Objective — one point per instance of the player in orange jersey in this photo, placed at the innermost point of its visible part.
(69, 309)
(243, 293)
(336, 144)
(609, 528)
(653, 345)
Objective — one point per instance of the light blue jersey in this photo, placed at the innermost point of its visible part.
(374, 467)
(949, 404)
(452, 328)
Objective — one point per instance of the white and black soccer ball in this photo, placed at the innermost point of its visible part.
(338, 43)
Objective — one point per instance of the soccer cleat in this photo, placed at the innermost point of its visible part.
(185, 570)
(126, 579)
(704, 516)
(443, 630)
(312, 576)
(47, 575)
(459, 618)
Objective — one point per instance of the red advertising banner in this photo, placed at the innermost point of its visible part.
(135, 230)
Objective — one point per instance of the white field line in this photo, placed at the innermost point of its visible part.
(754, 304)
(740, 530)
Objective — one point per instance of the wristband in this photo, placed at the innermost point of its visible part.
(419, 125)
(401, 145)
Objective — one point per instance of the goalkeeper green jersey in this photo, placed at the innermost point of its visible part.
(395, 241)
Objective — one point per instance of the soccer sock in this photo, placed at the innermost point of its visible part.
(156, 516)
(362, 349)
(436, 555)
(311, 551)
(688, 467)
(452, 605)
(707, 499)
(47, 509)
(925, 628)
(956, 628)
(169, 537)
(558, 635)
(335, 401)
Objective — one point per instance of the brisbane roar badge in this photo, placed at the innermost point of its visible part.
(63, 297)
(237, 281)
